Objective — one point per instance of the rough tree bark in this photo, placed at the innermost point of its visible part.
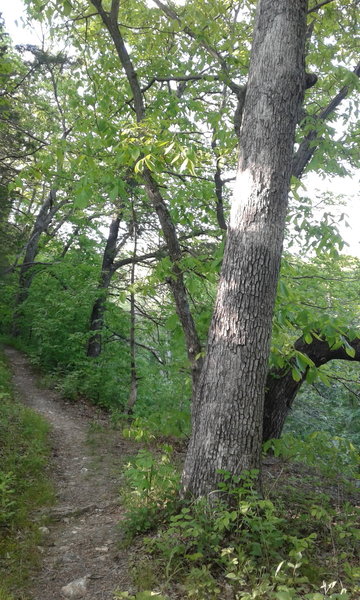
(228, 408)
(281, 388)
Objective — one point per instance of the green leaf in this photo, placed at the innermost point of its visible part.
(350, 351)
(311, 375)
(296, 375)
(303, 361)
(308, 338)
(231, 576)
(323, 378)
(184, 165)
(82, 199)
(67, 8)
(194, 556)
(283, 289)
(284, 595)
(135, 153)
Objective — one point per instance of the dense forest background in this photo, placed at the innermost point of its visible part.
(119, 148)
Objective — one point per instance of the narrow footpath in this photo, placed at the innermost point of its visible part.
(81, 542)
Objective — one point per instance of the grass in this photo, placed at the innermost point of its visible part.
(24, 488)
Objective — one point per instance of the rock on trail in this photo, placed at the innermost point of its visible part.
(80, 555)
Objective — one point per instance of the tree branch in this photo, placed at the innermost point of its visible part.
(159, 253)
(16, 126)
(112, 25)
(320, 352)
(123, 337)
(281, 388)
(314, 8)
(18, 84)
(169, 12)
(307, 147)
(154, 194)
(178, 78)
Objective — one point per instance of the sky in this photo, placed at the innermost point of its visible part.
(349, 187)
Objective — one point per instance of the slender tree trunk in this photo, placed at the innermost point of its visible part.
(219, 186)
(70, 240)
(107, 270)
(45, 215)
(133, 375)
(5, 210)
(176, 281)
(228, 408)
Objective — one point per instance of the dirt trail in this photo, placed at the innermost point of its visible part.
(83, 532)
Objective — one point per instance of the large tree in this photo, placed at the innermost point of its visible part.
(228, 408)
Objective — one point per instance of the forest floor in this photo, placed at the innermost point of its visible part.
(82, 533)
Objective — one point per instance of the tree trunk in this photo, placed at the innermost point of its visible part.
(5, 210)
(42, 222)
(219, 187)
(107, 271)
(133, 375)
(228, 408)
(176, 281)
(281, 388)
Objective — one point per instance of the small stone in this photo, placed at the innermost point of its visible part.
(75, 589)
(44, 530)
(102, 549)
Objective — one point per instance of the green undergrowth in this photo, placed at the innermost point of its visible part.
(334, 456)
(299, 540)
(162, 405)
(158, 425)
(24, 487)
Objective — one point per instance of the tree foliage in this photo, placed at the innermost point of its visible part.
(138, 112)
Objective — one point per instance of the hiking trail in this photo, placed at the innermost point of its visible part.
(81, 539)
